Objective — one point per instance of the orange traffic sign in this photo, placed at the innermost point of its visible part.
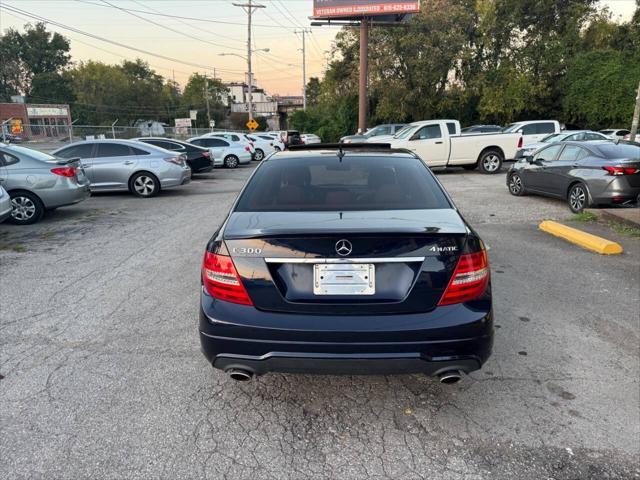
(252, 124)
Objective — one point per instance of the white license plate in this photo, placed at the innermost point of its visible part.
(344, 279)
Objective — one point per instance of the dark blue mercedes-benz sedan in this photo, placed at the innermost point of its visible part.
(342, 260)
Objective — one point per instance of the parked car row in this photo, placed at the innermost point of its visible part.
(34, 182)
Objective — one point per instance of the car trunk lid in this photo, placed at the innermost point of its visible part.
(295, 261)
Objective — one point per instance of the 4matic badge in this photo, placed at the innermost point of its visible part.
(444, 249)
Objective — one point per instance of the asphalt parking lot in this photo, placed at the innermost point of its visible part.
(102, 376)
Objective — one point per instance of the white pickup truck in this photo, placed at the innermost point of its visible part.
(439, 144)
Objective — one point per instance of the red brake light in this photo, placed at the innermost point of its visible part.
(469, 280)
(205, 154)
(520, 142)
(221, 279)
(64, 171)
(617, 170)
(247, 149)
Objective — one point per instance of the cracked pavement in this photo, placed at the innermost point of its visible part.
(102, 376)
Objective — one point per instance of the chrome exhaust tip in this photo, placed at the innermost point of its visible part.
(450, 377)
(240, 375)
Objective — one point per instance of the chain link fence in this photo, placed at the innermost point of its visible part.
(50, 137)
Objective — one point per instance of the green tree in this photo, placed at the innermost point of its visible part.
(600, 88)
(12, 72)
(194, 98)
(313, 91)
(51, 87)
(29, 54)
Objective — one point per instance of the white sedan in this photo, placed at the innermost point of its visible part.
(232, 153)
(310, 138)
(616, 133)
(264, 145)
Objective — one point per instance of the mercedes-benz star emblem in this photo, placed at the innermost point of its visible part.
(343, 247)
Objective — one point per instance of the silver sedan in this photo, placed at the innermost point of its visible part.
(127, 165)
(37, 182)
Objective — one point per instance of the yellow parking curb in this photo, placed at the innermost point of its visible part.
(583, 239)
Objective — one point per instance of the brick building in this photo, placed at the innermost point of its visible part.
(38, 120)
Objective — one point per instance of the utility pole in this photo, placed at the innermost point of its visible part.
(249, 8)
(206, 97)
(362, 91)
(304, 67)
(636, 117)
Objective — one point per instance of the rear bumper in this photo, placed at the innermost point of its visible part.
(205, 169)
(452, 337)
(180, 177)
(70, 194)
(201, 165)
(618, 192)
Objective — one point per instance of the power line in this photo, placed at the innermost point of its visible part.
(97, 37)
(169, 28)
(207, 20)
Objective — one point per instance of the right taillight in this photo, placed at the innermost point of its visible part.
(619, 170)
(469, 280)
(222, 281)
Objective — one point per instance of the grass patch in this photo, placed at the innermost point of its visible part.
(625, 230)
(16, 247)
(584, 217)
(48, 235)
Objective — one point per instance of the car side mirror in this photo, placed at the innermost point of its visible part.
(529, 158)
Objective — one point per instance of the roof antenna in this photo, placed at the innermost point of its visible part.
(340, 152)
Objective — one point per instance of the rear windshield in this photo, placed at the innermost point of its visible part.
(356, 183)
(622, 150)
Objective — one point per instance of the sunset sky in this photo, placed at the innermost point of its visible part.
(198, 42)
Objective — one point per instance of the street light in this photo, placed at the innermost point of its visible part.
(249, 74)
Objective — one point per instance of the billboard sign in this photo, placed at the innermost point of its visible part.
(182, 125)
(363, 8)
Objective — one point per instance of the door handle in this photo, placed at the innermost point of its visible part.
(128, 162)
(84, 166)
(438, 143)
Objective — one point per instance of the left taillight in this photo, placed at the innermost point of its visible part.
(178, 160)
(222, 281)
(205, 154)
(247, 149)
(469, 280)
(68, 172)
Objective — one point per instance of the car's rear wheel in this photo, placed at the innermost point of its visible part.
(144, 184)
(27, 208)
(231, 161)
(259, 155)
(490, 161)
(578, 197)
(516, 185)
